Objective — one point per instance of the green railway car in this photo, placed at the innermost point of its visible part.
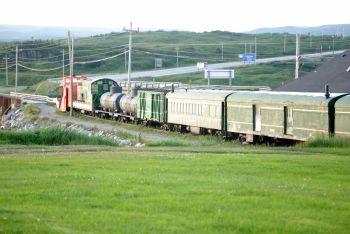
(295, 116)
(151, 105)
(342, 117)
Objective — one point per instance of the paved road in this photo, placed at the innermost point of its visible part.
(193, 69)
(50, 112)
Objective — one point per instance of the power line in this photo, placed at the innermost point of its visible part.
(99, 60)
(91, 55)
(41, 70)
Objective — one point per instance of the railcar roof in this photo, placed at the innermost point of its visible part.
(295, 98)
(213, 95)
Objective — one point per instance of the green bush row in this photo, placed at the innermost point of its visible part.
(50, 136)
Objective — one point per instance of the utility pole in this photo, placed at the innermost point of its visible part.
(63, 63)
(7, 74)
(70, 47)
(255, 49)
(222, 51)
(130, 42)
(284, 43)
(177, 56)
(245, 47)
(125, 60)
(250, 47)
(333, 45)
(16, 80)
(310, 40)
(297, 55)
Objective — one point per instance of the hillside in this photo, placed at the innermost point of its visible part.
(42, 59)
(330, 29)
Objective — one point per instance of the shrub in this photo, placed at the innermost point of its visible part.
(331, 142)
(50, 136)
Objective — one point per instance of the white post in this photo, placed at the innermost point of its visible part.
(297, 55)
(177, 56)
(63, 63)
(72, 56)
(222, 51)
(125, 60)
(129, 62)
(245, 47)
(310, 40)
(130, 43)
(16, 80)
(255, 49)
(284, 44)
(70, 73)
(7, 73)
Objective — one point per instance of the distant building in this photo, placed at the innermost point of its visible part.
(335, 73)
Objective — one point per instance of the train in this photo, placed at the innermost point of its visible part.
(248, 115)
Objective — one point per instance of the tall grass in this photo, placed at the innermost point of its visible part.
(329, 142)
(50, 136)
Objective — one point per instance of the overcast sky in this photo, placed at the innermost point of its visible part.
(205, 15)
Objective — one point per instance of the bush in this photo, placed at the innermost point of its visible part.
(330, 142)
(30, 109)
(50, 136)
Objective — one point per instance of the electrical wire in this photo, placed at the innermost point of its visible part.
(4, 68)
(42, 70)
(91, 55)
(37, 59)
(99, 60)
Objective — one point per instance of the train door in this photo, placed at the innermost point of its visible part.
(288, 120)
(256, 118)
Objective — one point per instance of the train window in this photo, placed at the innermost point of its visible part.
(256, 118)
(94, 88)
(105, 87)
(288, 120)
(212, 110)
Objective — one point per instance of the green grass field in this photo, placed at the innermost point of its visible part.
(174, 190)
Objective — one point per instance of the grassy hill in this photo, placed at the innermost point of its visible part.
(272, 74)
(192, 47)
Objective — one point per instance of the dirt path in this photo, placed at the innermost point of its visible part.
(50, 112)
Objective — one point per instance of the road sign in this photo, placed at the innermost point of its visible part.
(249, 57)
(219, 74)
(158, 63)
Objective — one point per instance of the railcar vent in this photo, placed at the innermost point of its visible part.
(327, 94)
